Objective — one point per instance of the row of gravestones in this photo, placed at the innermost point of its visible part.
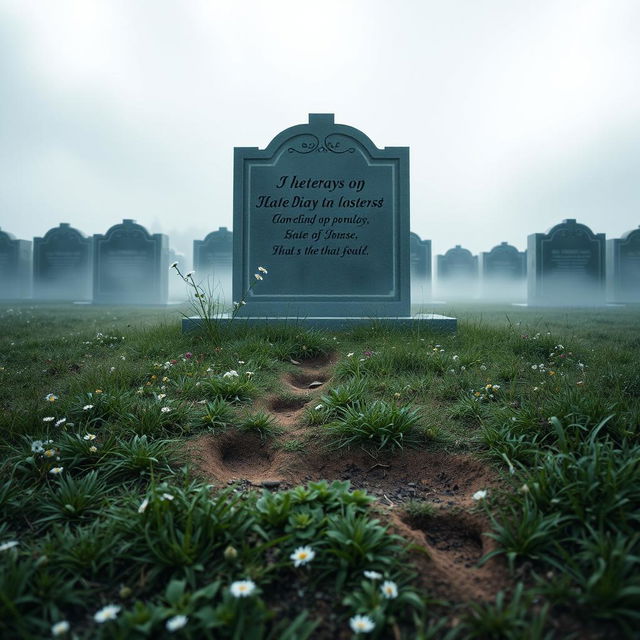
(127, 265)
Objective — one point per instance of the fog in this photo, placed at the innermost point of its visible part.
(517, 114)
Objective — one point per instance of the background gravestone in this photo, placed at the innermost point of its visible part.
(213, 261)
(566, 266)
(63, 265)
(130, 266)
(503, 272)
(623, 267)
(327, 213)
(15, 267)
(457, 273)
(420, 251)
(178, 291)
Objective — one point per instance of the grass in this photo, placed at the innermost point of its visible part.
(100, 496)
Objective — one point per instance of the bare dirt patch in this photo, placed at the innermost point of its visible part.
(450, 540)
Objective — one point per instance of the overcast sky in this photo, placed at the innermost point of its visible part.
(517, 113)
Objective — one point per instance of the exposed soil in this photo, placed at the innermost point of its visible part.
(449, 541)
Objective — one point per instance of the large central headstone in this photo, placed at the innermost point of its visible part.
(327, 213)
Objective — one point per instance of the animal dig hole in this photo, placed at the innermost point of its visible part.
(286, 403)
(456, 534)
(306, 380)
(244, 451)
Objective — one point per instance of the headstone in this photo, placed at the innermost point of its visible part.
(212, 261)
(327, 213)
(457, 273)
(15, 267)
(130, 266)
(503, 272)
(63, 265)
(566, 266)
(623, 267)
(420, 251)
(178, 291)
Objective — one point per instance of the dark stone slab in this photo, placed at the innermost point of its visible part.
(457, 263)
(130, 266)
(421, 321)
(16, 267)
(213, 260)
(420, 261)
(503, 273)
(566, 266)
(327, 213)
(63, 265)
(623, 267)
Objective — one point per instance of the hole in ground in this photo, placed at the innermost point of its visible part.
(305, 379)
(240, 452)
(456, 534)
(280, 404)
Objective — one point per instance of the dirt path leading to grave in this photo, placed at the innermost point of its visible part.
(449, 541)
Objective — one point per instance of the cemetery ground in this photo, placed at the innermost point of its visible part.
(285, 483)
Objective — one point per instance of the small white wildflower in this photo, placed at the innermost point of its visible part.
(93, 448)
(389, 589)
(36, 446)
(524, 488)
(90, 436)
(361, 624)
(373, 575)
(318, 407)
(8, 545)
(87, 407)
(174, 265)
(262, 269)
(463, 368)
(480, 495)
(48, 419)
(166, 496)
(455, 358)
(60, 422)
(242, 588)
(51, 397)
(302, 555)
(143, 505)
(257, 276)
(483, 367)
(165, 409)
(240, 361)
(175, 623)
(110, 612)
(49, 453)
(60, 628)
(56, 470)
(350, 354)
(162, 396)
(230, 374)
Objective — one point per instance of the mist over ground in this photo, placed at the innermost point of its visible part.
(517, 115)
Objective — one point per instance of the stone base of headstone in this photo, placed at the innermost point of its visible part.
(427, 321)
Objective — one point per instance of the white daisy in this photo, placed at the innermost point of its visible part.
(110, 612)
(302, 555)
(242, 588)
(175, 623)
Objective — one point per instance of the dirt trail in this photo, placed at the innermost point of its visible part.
(451, 539)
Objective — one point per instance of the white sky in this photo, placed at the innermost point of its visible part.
(517, 113)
